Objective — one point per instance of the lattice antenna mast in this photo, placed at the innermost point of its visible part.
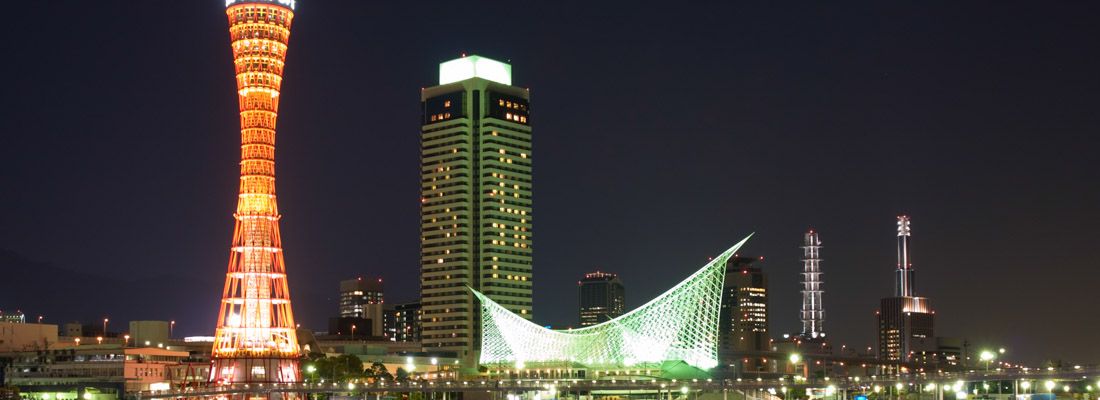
(903, 281)
(813, 311)
(255, 339)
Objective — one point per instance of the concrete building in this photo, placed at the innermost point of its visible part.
(744, 316)
(90, 372)
(475, 209)
(905, 321)
(360, 307)
(18, 336)
(356, 295)
(601, 297)
(402, 322)
(149, 331)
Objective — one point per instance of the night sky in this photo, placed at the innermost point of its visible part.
(663, 134)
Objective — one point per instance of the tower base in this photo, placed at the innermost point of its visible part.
(229, 371)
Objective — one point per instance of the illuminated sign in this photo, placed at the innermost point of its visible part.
(284, 3)
(474, 67)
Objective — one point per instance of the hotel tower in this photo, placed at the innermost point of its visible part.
(475, 211)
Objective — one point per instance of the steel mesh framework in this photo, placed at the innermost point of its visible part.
(679, 325)
(255, 339)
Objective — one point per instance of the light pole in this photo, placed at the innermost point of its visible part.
(127, 341)
(311, 370)
(795, 358)
(105, 326)
(352, 331)
(171, 328)
(988, 357)
(77, 341)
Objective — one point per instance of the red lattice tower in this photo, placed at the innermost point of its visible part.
(255, 341)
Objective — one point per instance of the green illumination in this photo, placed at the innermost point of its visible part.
(679, 325)
(474, 67)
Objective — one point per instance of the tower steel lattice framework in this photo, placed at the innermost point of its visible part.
(255, 339)
(680, 325)
(813, 311)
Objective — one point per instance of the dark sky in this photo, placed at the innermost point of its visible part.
(664, 133)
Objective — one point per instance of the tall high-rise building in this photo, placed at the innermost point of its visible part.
(475, 213)
(602, 297)
(255, 339)
(357, 295)
(813, 310)
(744, 315)
(905, 321)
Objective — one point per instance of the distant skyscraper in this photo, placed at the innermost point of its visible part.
(475, 211)
(744, 314)
(602, 297)
(905, 322)
(357, 294)
(813, 310)
(361, 309)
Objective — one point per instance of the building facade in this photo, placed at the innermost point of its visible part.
(601, 296)
(402, 322)
(90, 372)
(744, 320)
(361, 309)
(358, 294)
(475, 212)
(905, 321)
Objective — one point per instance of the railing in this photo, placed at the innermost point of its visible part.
(762, 386)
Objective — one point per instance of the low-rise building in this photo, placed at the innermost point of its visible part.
(90, 372)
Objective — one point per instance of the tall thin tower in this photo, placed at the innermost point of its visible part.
(903, 284)
(813, 311)
(255, 339)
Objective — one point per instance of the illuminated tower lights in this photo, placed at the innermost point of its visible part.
(255, 340)
(904, 277)
(813, 310)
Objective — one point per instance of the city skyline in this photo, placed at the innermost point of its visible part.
(605, 178)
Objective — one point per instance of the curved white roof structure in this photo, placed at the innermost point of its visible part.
(679, 325)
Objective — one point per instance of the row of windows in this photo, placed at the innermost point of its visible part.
(440, 117)
(516, 117)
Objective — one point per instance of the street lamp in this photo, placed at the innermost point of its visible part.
(435, 363)
(77, 341)
(352, 331)
(171, 328)
(987, 356)
(105, 326)
(127, 342)
(1049, 385)
(99, 339)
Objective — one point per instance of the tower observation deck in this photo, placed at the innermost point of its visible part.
(255, 339)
